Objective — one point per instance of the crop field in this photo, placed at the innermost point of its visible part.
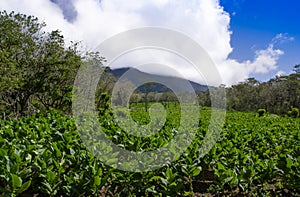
(43, 155)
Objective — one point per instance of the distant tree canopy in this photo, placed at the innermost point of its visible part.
(278, 95)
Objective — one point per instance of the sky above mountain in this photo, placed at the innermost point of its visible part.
(257, 23)
(244, 38)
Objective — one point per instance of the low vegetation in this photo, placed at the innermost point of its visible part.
(44, 155)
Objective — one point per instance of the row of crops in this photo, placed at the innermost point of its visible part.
(44, 155)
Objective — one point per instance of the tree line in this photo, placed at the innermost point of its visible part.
(38, 68)
(279, 95)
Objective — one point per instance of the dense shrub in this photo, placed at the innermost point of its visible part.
(294, 112)
(261, 112)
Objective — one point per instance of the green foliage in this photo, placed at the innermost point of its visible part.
(103, 104)
(36, 68)
(276, 95)
(261, 112)
(294, 112)
(44, 155)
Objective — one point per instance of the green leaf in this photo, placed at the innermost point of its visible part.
(155, 178)
(16, 181)
(3, 152)
(24, 187)
(50, 176)
(72, 152)
(196, 172)
(221, 166)
(97, 180)
(99, 172)
(169, 173)
(28, 157)
(112, 161)
(228, 179)
(47, 187)
(164, 181)
(151, 189)
(289, 162)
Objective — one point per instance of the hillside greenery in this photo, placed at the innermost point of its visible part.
(43, 154)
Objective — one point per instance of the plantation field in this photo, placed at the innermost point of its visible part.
(257, 156)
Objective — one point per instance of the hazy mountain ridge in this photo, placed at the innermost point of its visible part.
(139, 77)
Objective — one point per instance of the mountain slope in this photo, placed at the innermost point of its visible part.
(138, 78)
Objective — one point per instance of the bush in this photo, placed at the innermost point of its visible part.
(261, 112)
(294, 112)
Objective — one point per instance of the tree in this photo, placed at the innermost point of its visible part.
(18, 44)
(146, 89)
(243, 95)
(123, 92)
(53, 82)
(36, 68)
(277, 95)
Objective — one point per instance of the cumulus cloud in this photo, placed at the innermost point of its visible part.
(45, 10)
(205, 21)
(264, 61)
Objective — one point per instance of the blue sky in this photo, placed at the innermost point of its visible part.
(255, 23)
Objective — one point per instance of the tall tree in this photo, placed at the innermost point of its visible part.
(36, 68)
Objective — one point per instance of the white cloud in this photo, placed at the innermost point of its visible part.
(45, 10)
(202, 20)
(280, 73)
(265, 61)
(282, 38)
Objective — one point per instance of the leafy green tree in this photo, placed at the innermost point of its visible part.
(57, 71)
(36, 68)
(18, 43)
(276, 95)
(243, 96)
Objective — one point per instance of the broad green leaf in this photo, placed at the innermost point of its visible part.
(112, 161)
(50, 176)
(155, 178)
(16, 181)
(97, 180)
(3, 152)
(24, 187)
(221, 166)
(228, 179)
(289, 162)
(169, 173)
(196, 172)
